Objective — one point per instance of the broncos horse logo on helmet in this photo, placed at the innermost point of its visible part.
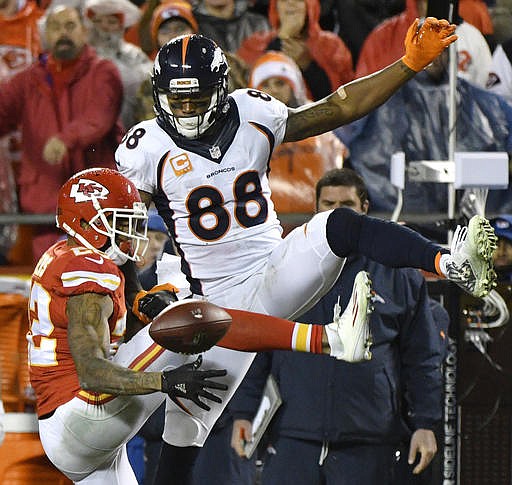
(190, 85)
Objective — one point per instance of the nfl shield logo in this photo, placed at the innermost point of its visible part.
(215, 152)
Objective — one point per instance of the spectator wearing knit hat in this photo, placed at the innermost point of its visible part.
(109, 19)
(171, 19)
(276, 68)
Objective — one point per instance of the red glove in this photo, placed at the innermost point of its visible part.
(423, 45)
(148, 304)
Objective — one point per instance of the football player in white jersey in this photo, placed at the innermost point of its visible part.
(204, 161)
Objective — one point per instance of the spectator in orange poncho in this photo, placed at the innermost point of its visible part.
(323, 58)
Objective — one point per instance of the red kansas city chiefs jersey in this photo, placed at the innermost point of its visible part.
(64, 271)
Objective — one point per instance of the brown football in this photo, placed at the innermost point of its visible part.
(190, 326)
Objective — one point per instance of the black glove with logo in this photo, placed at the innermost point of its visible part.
(148, 304)
(188, 382)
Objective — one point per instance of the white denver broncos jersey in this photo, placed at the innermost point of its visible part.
(213, 193)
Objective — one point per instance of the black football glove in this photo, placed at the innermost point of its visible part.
(188, 382)
(148, 304)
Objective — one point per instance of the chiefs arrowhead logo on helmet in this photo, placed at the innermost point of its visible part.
(85, 189)
(102, 209)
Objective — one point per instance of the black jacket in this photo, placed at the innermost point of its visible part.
(378, 401)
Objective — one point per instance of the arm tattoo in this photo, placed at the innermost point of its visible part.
(313, 120)
(348, 103)
(89, 337)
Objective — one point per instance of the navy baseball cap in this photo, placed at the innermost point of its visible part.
(503, 226)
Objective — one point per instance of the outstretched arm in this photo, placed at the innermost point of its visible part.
(89, 338)
(357, 98)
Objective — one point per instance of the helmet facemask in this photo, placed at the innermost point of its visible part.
(188, 68)
(126, 230)
(192, 126)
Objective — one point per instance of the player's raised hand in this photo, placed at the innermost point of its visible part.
(423, 43)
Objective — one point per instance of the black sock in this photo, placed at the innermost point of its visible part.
(385, 242)
(176, 465)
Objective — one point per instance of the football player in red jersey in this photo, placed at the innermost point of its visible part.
(77, 316)
(93, 391)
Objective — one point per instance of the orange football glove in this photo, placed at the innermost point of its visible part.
(424, 44)
(148, 304)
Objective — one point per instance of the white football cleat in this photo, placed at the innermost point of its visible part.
(470, 264)
(349, 334)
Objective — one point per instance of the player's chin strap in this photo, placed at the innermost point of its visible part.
(118, 257)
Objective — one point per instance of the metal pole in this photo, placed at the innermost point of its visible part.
(452, 121)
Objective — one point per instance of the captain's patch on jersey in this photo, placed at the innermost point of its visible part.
(181, 164)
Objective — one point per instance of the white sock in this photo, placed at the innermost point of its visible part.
(443, 261)
(334, 340)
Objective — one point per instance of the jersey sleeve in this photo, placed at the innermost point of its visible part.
(258, 107)
(135, 156)
(92, 273)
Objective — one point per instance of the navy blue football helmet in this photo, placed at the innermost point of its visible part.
(190, 67)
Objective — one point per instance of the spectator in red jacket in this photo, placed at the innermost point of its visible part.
(385, 44)
(67, 107)
(323, 58)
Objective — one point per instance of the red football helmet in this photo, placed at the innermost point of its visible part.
(102, 209)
